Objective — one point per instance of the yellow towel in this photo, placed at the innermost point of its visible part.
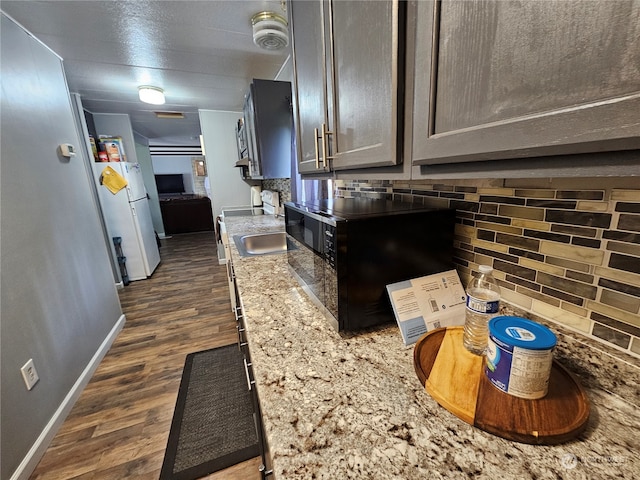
(112, 180)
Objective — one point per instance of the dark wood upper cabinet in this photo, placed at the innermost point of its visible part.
(348, 83)
(504, 79)
(268, 129)
(309, 23)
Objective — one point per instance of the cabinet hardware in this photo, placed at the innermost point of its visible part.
(315, 143)
(246, 371)
(325, 146)
(265, 473)
(241, 343)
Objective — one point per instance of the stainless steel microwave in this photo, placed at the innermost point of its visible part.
(345, 251)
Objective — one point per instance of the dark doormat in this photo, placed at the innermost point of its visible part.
(213, 426)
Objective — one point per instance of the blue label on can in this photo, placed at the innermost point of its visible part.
(497, 366)
(519, 356)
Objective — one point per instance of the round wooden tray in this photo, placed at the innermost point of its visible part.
(455, 378)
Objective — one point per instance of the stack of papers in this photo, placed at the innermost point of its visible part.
(426, 303)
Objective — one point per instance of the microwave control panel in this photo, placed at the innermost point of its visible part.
(330, 245)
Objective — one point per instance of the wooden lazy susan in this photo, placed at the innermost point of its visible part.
(455, 378)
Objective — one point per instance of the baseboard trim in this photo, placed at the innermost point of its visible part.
(37, 450)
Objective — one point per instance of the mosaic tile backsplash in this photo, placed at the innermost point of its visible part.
(281, 185)
(571, 255)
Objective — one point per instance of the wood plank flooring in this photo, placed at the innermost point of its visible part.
(119, 426)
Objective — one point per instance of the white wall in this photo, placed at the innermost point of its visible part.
(144, 158)
(175, 164)
(221, 152)
(285, 73)
(59, 304)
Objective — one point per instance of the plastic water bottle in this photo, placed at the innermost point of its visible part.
(483, 302)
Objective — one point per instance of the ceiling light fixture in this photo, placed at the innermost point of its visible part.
(152, 95)
(270, 31)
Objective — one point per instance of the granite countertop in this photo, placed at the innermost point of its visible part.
(345, 405)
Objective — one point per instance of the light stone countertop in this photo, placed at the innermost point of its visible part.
(338, 406)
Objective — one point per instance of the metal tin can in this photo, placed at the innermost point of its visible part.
(519, 356)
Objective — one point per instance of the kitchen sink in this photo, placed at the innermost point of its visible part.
(261, 243)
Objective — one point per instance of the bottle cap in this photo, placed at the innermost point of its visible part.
(485, 269)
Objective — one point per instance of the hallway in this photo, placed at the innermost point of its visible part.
(119, 426)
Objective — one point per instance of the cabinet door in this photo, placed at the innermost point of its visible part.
(310, 80)
(254, 170)
(367, 71)
(502, 79)
(272, 127)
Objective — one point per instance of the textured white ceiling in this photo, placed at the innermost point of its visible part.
(200, 52)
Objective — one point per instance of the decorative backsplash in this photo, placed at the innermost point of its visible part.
(281, 185)
(559, 251)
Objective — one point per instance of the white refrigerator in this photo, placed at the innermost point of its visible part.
(127, 215)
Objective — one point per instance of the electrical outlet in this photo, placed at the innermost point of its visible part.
(29, 374)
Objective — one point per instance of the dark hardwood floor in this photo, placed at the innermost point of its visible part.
(119, 426)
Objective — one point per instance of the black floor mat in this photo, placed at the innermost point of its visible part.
(213, 425)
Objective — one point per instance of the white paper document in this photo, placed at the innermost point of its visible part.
(425, 303)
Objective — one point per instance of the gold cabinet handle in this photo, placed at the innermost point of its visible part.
(325, 147)
(315, 133)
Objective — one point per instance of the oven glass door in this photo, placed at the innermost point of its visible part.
(306, 255)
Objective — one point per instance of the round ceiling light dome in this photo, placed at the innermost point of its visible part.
(152, 95)
(270, 31)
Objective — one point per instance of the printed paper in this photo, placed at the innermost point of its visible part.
(426, 303)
